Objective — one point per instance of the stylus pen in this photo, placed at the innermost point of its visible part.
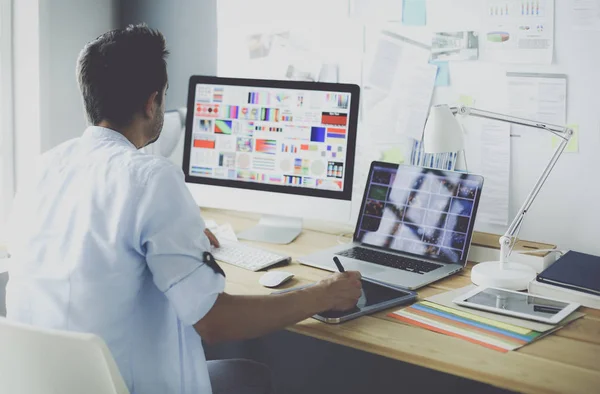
(339, 265)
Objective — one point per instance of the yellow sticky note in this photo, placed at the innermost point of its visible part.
(573, 145)
(393, 155)
(467, 101)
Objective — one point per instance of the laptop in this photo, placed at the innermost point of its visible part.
(414, 226)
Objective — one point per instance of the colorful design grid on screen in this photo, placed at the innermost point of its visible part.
(271, 136)
(419, 211)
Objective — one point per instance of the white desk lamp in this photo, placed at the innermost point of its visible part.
(443, 133)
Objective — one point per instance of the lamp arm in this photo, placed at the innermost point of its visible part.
(559, 131)
(508, 240)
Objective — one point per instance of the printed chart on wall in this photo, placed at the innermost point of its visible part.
(519, 31)
(270, 135)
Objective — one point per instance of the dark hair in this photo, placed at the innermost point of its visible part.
(119, 70)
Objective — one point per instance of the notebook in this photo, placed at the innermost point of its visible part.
(574, 270)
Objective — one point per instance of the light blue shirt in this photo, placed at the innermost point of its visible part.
(108, 240)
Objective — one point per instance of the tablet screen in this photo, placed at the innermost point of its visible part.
(517, 302)
(372, 294)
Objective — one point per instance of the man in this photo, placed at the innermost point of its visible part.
(108, 240)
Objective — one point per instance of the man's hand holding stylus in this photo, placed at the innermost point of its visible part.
(340, 291)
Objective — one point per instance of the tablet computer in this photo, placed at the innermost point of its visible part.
(514, 303)
(375, 297)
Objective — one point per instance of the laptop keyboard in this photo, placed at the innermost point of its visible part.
(389, 260)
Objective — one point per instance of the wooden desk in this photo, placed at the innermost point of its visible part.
(565, 362)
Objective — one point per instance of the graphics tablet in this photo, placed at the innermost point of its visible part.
(375, 297)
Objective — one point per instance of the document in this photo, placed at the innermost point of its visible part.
(392, 54)
(414, 12)
(412, 94)
(460, 45)
(443, 72)
(586, 14)
(495, 168)
(398, 89)
(274, 41)
(541, 97)
(403, 112)
(518, 31)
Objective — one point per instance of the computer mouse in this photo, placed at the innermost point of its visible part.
(275, 278)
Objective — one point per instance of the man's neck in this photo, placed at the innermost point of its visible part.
(130, 132)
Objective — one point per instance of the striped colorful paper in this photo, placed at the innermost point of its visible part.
(486, 332)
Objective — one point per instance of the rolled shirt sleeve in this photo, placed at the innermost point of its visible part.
(171, 234)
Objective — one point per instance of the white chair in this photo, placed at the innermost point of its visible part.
(41, 361)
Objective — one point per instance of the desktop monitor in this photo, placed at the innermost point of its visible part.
(284, 149)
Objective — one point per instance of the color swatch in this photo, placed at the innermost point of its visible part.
(334, 118)
(317, 134)
(223, 126)
(266, 146)
(336, 133)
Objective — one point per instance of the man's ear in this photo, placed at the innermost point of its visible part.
(149, 106)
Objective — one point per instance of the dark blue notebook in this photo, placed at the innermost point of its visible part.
(576, 271)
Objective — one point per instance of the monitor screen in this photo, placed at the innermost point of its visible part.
(421, 211)
(280, 136)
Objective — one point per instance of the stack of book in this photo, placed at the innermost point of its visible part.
(497, 332)
(574, 277)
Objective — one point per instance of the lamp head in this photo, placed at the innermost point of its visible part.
(443, 133)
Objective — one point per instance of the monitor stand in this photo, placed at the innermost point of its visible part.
(273, 229)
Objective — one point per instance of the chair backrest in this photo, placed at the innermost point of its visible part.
(41, 361)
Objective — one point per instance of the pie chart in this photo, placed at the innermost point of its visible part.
(498, 36)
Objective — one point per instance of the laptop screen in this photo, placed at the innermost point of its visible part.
(421, 211)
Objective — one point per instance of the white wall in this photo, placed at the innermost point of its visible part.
(6, 122)
(48, 36)
(565, 212)
(190, 29)
(26, 74)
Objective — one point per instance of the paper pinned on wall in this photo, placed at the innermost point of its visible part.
(541, 97)
(399, 77)
(495, 168)
(393, 155)
(586, 14)
(443, 72)
(412, 93)
(403, 112)
(518, 31)
(392, 54)
(309, 50)
(573, 145)
(414, 12)
(466, 100)
(457, 45)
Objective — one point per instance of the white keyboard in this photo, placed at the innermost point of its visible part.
(246, 256)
